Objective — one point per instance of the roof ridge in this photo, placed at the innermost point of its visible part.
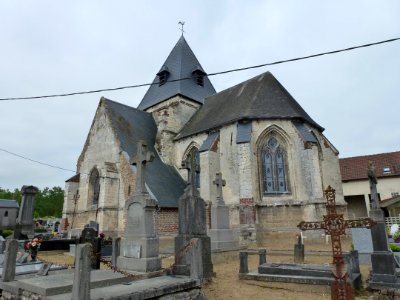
(369, 155)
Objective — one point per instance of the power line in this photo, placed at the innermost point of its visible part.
(211, 74)
(36, 161)
(46, 164)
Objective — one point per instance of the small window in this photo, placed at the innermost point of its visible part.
(163, 76)
(198, 76)
(386, 170)
(6, 213)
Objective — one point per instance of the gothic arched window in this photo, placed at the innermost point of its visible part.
(94, 187)
(194, 157)
(274, 166)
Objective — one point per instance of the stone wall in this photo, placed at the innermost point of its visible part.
(311, 167)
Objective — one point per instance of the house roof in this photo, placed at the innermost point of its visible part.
(390, 201)
(131, 125)
(180, 63)
(355, 168)
(8, 203)
(261, 97)
(75, 178)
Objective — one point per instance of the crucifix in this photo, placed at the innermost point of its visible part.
(373, 181)
(219, 182)
(140, 160)
(335, 225)
(181, 23)
(193, 168)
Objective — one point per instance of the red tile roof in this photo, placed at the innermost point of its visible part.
(75, 178)
(355, 168)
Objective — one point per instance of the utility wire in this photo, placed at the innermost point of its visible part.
(211, 74)
(36, 161)
(46, 164)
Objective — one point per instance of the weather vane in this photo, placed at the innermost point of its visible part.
(181, 23)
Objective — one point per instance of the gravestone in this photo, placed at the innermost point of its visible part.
(25, 225)
(89, 235)
(44, 270)
(383, 263)
(2, 244)
(81, 284)
(221, 234)
(23, 258)
(299, 250)
(140, 245)
(9, 263)
(94, 225)
(362, 242)
(192, 224)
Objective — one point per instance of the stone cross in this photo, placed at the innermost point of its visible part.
(219, 182)
(193, 168)
(335, 226)
(140, 159)
(373, 181)
(9, 265)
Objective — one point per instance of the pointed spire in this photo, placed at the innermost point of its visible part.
(180, 64)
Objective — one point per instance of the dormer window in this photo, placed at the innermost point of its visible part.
(198, 75)
(163, 76)
(387, 170)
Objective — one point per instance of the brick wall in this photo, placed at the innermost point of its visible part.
(167, 221)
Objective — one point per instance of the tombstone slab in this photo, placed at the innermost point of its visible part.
(81, 286)
(362, 242)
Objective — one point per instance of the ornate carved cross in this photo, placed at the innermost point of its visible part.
(193, 168)
(140, 159)
(219, 182)
(335, 225)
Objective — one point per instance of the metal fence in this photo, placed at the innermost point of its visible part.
(392, 220)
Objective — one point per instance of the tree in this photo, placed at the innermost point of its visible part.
(48, 202)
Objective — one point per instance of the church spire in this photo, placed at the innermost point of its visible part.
(180, 64)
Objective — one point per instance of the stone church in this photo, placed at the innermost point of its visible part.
(273, 156)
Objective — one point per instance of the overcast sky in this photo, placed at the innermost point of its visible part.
(50, 47)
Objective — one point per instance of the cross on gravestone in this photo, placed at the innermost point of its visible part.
(373, 181)
(219, 182)
(193, 168)
(140, 159)
(335, 226)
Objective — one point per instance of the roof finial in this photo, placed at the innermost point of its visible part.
(181, 23)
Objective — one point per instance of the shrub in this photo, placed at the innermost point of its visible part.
(394, 247)
(6, 233)
(38, 230)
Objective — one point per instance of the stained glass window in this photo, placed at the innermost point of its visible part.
(274, 167)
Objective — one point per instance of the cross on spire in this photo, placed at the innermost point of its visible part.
(182, 23)
(193, 168)
(335, 225)
(140, 159)
(219, 182)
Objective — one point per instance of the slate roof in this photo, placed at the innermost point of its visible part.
(8, 203)
(181, 62)
(261, 97)
(131, 125)
(355, 168)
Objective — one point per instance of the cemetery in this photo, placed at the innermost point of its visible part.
(131, 266)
